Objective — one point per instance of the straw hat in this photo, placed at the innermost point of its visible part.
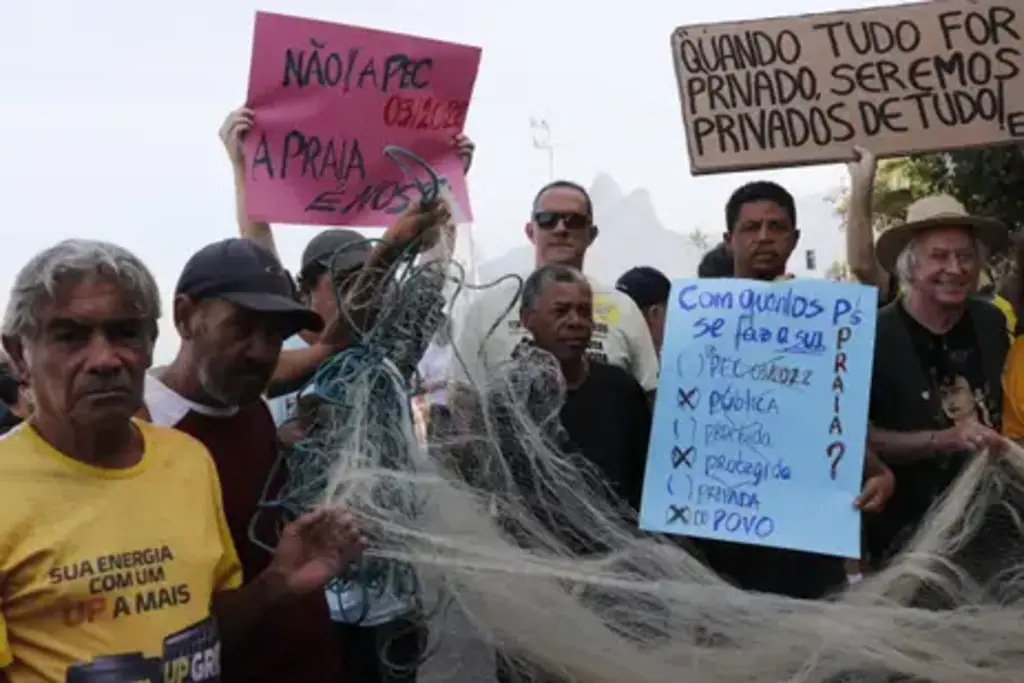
(938, 211)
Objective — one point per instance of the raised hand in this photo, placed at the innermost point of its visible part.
(863, 168)
(232, 134)
(426, 219)
(315, 548)
(465, 148)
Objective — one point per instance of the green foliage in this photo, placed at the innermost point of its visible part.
(989, 181)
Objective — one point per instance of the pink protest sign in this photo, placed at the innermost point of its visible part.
(329, 98)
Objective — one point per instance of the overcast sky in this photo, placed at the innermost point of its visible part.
(108, 127)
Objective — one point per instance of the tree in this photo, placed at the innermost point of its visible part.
(988, 181)
(700, 239)
(898, 183)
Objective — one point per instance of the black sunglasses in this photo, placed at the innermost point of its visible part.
(548, 220)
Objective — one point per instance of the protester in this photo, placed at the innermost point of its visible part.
(716, 263)
(761, 232)
(605, 419)
(936, 395)
(606, 414)
(561, 229)
(1013, 375)
(649, 290)
(333, 256)
(116, 543)
(233, 308)
(860, 242)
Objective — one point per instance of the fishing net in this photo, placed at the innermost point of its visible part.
(497, 518)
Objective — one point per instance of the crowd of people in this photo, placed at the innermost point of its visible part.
(127, 492)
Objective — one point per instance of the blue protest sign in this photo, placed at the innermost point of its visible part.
(761, 417)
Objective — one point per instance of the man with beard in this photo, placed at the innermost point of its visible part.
(233, 308)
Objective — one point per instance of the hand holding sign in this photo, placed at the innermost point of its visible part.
(922, 77)
(328, 99)
(232, 133)
(761, 414)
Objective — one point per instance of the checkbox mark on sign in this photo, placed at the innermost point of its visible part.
(678, 514)
(688, 399)
(682, 456)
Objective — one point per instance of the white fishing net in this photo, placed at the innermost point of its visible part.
(550, 569)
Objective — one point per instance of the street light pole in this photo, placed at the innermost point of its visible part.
(542, 140)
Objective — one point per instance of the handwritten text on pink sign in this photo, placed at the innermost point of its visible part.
(329, 98)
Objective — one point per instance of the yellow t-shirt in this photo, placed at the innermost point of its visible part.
(1011, 316)
(1013, 391)
(112, 564)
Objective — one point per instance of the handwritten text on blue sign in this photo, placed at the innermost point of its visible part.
(761, 416)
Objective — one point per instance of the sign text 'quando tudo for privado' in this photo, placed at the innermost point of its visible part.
(802, 90)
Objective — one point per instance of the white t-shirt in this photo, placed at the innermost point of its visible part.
(167, 408)
(621, 336)
(282, 407)
(433, 367)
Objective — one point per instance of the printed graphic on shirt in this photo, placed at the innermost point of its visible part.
(606, 311)
(122, 584)
(126, 584)
(961, 403)
(191, 655)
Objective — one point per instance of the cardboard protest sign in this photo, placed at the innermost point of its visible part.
(760, 421)
(329, 98)
(803, 90)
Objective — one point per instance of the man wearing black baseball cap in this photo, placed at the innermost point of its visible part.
(233, 308)
(649, 289)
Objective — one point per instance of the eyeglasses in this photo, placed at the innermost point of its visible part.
(548, 220)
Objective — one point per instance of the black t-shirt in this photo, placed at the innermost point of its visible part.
(952, 363)
(955, 374)
(608, 420)
(600, 434)
(955, 371)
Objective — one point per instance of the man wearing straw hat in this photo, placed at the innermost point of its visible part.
(936, 394)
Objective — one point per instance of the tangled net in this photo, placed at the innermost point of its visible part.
(551, 569)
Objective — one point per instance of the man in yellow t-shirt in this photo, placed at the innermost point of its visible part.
(115, 559)
(76, 578)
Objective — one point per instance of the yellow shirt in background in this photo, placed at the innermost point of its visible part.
(119, 564)
(1011, 316)
(1013, 391)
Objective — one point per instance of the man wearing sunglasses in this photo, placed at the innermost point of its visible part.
(561, 230)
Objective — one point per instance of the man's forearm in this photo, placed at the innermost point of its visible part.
(860, 240)
(897, 446)
(873, 465)
(257, 231)
(240, 611)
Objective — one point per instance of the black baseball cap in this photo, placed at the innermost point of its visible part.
(337, 248)
(646, 286)
(244, 273)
